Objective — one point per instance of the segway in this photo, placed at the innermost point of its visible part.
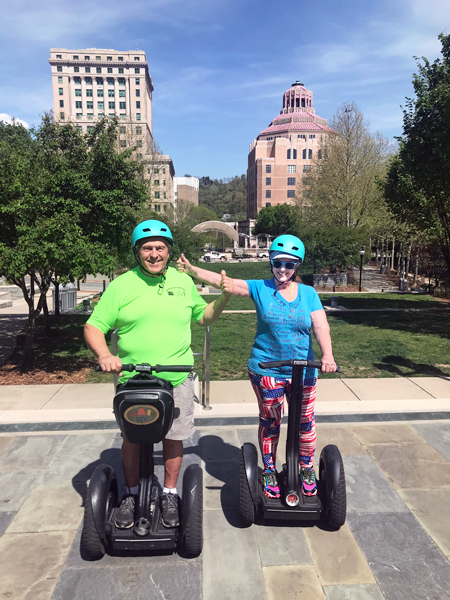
(144, 411)
(330, 503)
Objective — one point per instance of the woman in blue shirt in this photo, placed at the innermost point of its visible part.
(286, 310)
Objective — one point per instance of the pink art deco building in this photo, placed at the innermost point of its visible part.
(280, 157)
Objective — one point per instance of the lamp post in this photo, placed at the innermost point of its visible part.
(361, 254)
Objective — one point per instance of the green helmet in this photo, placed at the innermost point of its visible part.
(149, 229)
(288, 244)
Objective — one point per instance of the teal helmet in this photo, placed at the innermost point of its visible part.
(149, 229)
(288, 244)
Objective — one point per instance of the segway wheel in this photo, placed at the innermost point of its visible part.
(246, 506)
(93, 536)
(193, 534)
(332, 479)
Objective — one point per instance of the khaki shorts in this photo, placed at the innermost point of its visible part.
(183, 422)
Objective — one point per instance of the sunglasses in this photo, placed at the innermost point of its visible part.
(289, 266)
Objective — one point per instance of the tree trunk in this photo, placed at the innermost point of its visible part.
(56, 296)
(393, 254)
(416, 269)
(46, 315)
(28, 353)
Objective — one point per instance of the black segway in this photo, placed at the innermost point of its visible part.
(331, 501)
(144, 411)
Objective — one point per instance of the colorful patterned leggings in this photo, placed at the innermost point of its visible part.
(270, 392)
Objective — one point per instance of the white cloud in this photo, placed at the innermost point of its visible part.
(12, 120)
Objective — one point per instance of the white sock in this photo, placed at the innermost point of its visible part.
(167, 490)
(134, 490)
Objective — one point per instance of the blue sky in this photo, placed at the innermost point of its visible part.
(220, 67)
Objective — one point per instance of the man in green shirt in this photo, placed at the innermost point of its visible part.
(152, 306)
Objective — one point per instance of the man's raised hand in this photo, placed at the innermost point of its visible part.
(226, 283)
(183, 265)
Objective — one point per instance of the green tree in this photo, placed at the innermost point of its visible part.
(333, 247)
(277, 220)
(417, 186)
(224, 196)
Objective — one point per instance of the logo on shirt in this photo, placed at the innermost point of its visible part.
(176, 291)
(141, 414)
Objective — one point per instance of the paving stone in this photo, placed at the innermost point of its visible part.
(30, 452)
(432, 510)
(388, 389)
(31, 563)
(231, 563)
(147, 581)
(220, 444)
(405, 464)
(405, 561)
(337, 557)
(353, 592)
(292, 582)
(49, 507)
(385, 433)
(340, 435)
(83, 395)
(5, 441)
(14, 489)
(5, 520)
(367, 488)
(287, 545)
(18, 397)
(438, 387)
(221, 485)
(437, 435)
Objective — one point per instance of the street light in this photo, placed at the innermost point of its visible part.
(361, 254)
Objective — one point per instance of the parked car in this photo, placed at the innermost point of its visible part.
(262, 254)
(214, 255)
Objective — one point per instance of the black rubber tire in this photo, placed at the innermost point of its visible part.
(246, 506)
(92, 541)
(193, 535)
(335, 512)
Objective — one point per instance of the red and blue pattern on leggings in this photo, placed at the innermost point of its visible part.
(270, 392)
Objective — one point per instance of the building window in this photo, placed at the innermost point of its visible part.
(164, 196)
(306, 168)
(139, 130)
(268, 168)
(268, 193)
(302, 137)
(98, 58)
(90, 115)
(61, 104)
(138, 92)
(98, 69)
(268, 180)
(100, 105)
(311, 137)
(76, 69)
(138, 104)
(306, 181)
(109, 70)
(89, 129)
(101, 115)
(289, 154)
(89, 93)
(110, 80)
(294, 154)
(268, 204)
(291, 168)
(138, 81)
(156, 181)
(306, 193)
(100, 93)
(291, 193)
(164, 182)
(109, 58)
(163, 171)
(78, 104)
(59, 69)
(137, 58)
(122, 129)
(122, 105)
(138, 116)
(122, 93)
(87, 58)
(78, 92)
(157, 208)
(59, 79)
(139, 156)
(304, 154)
(79, 128)
(111, 105)
(139, 143)
(319, 154)
(157, 195)
(77, 80)
(121, 80)
(123, 143)
(291, 180)
(120, 58)
(89, 104)
(88, 80)
(75, 57)
(59, 56)
(156, 171)
(137, 70)
(120, 70)
(99, 80)
(110, 93)
(111, 115)
(79, 115)
(61, 116)
(87, 69)
(310, 153)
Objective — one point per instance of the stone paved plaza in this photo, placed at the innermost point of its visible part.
(395, 544)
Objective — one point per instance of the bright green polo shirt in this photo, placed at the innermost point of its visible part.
(153, 327)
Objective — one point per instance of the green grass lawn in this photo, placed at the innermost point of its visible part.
(383, 300)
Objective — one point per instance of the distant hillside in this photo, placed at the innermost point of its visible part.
(224, 196)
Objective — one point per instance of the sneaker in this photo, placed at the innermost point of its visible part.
(308, 478)
(124, 518)
(270, 484)
(169, 509)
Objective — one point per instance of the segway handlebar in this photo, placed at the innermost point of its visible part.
(292, 363)
(146, 368)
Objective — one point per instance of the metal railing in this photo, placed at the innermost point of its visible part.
(206, 364)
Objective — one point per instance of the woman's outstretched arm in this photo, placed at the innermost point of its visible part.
(239, 287)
